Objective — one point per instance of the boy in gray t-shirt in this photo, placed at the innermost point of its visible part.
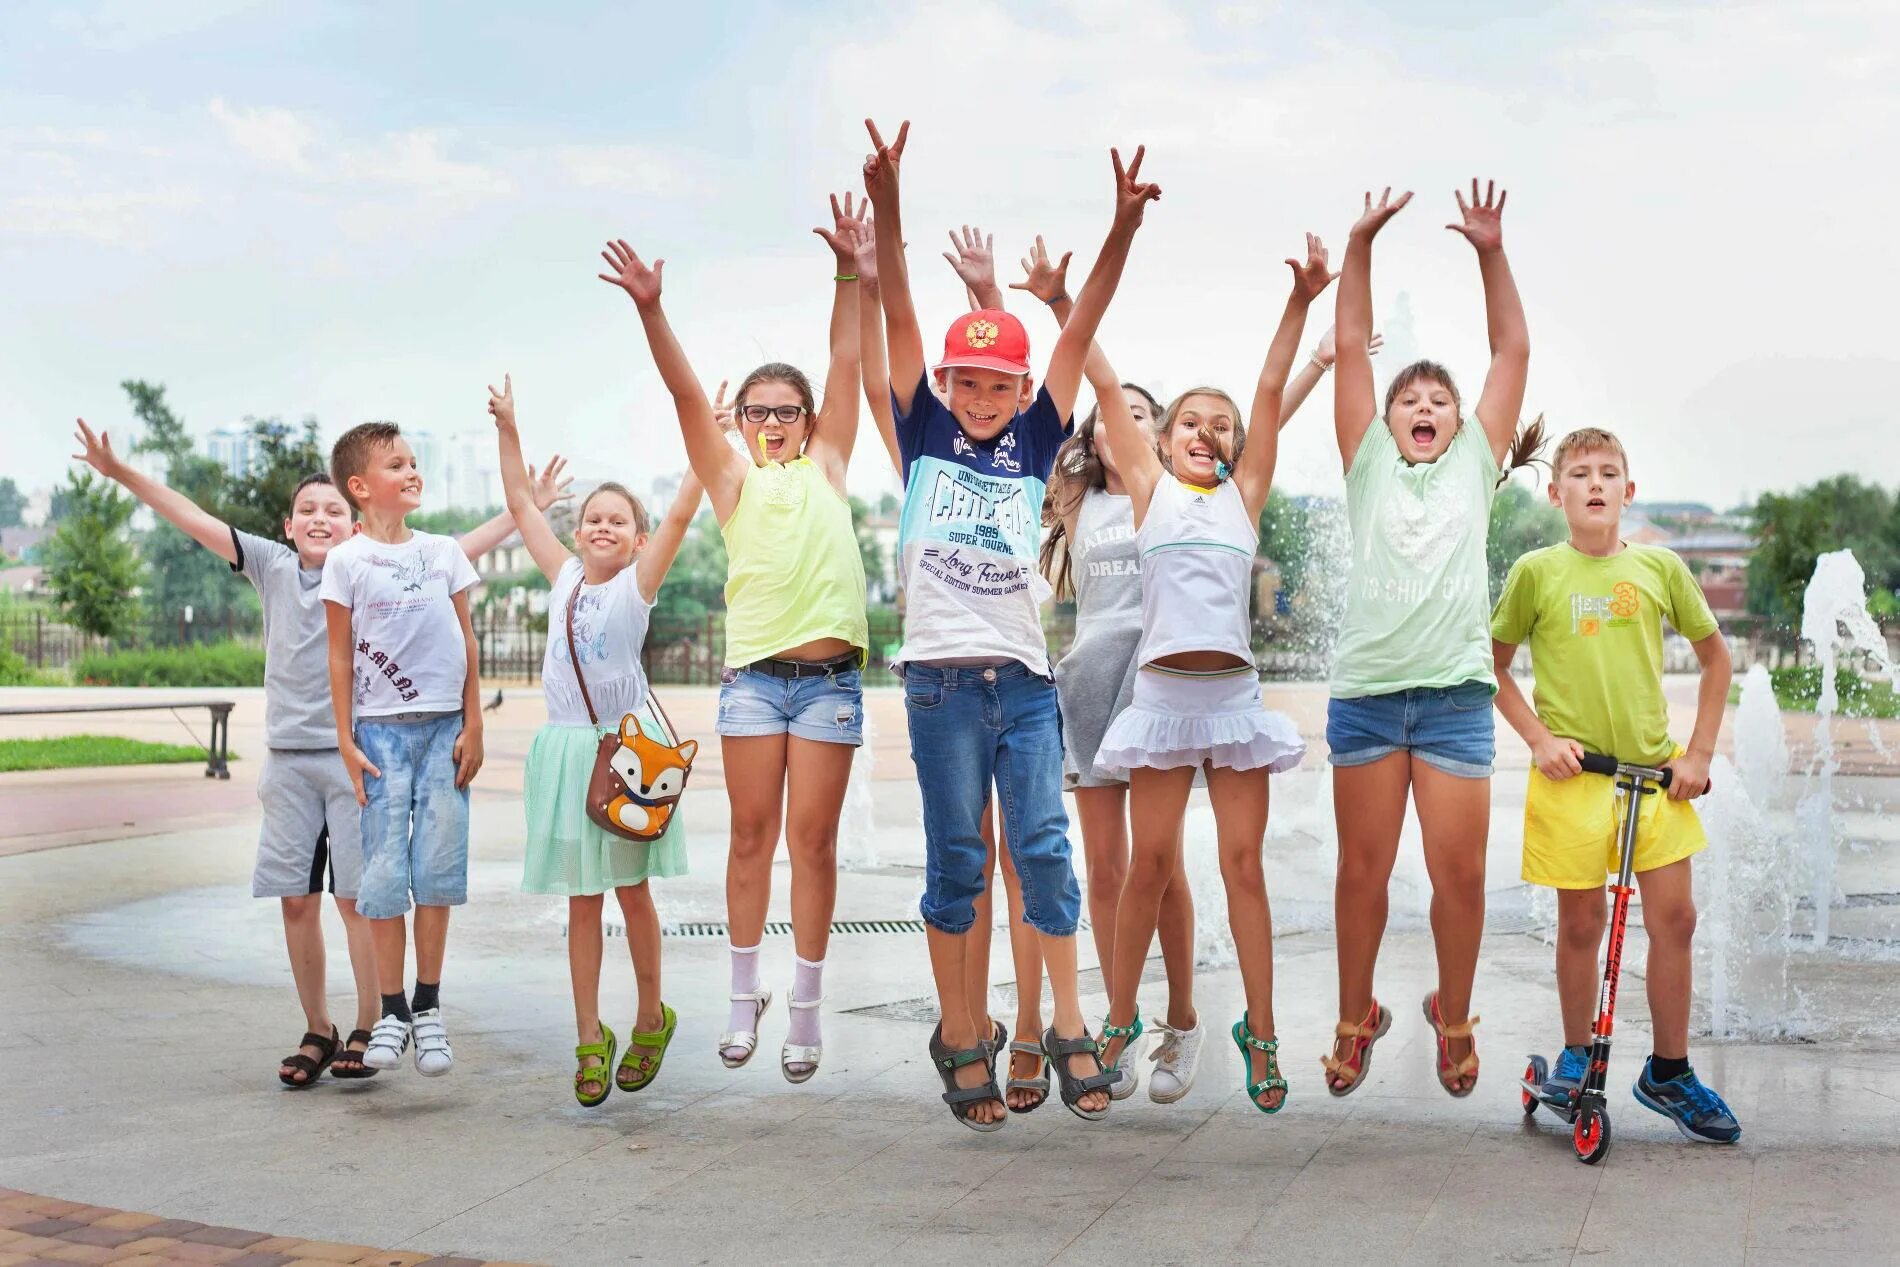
(312, 825)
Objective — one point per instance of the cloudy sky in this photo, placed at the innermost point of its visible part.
(360, 211)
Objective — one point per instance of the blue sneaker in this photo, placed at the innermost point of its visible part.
(1699, 1113)
(1565, 1081)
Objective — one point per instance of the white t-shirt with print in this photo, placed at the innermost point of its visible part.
(610, 629)
(409, 653)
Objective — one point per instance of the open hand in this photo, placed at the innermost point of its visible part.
(1691, 776)
(501, 404)
(1047, 282)
(548, 487)
(864, 243)
(975, 258)
(1482, 222)
(1326, 351)
(1373, 218)
(641, 283)
(1131, 195)
(96, 451)
(881, 164)
(1312, 277)
(842, 236)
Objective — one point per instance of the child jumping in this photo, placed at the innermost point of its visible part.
(791, 708)
(312, 830)
(978, 698)
(405, 693)
(1196, 499)
(1592, 610)
(598, 606)
(1410, 711)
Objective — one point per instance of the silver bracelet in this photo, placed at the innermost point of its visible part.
(1322, 366)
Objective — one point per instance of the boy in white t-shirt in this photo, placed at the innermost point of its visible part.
(403, 666)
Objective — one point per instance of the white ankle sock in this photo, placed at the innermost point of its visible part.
(808, 983)
(745, 980)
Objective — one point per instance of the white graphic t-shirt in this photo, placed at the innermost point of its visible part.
(409, 653)
(610, 630)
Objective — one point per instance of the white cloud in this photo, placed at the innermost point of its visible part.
(276, 138)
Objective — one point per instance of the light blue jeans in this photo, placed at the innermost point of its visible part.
(415, 827)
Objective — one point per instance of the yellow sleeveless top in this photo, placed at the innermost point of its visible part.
(793, 572)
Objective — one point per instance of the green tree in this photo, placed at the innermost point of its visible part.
(696, 584)
(1285, 537)
(870, 553)
(183, 573)
(454, 521)
(90, 565)
(259, 501)
(12, 504)
(1793, 528)
(1521, 521)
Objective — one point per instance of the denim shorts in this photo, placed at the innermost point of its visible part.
(827, 708)
(415, 827)
(1449, 727)
(971, 728)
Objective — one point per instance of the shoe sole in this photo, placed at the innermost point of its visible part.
(436, 1073)
(1681, 1126)
(373, 1060)
(1170, 1099)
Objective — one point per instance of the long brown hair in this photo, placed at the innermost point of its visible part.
(1526, 444)
(1077, 468)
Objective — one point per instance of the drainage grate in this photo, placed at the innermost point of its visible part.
(776, 928)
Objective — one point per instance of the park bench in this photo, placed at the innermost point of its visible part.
(217, 750)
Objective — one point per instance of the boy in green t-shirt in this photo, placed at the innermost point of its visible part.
(1592, 610)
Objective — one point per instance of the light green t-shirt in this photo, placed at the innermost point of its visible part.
(793, 571)
(1595, 629)
(1417, 602)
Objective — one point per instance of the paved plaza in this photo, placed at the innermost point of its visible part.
(147, 1002)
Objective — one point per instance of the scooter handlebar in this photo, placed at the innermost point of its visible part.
(1597, 763)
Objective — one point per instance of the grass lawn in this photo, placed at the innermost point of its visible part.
(73, 751)
(1798, 690)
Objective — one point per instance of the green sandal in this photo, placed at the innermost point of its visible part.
(1243, 1039)
(604, 1049)
(1125, 1079)
(636, 1072)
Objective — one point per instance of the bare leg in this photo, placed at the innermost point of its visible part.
(643, 944)
(1369, 806)
(584, 949)
(1176, 931)
(1580, 919)
(432, 941)
(1158, 799)
(815, 775)
(1025, 947)
(391, 936)
(1669, 918)
(1454, 815)
(1059, 954)
(976, 959)
(1240, 819)
(963, 1015)
(303, 938)
(356, 932)
(1102, 813)
(755, 787)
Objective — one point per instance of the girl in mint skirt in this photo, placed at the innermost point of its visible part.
(616, 567)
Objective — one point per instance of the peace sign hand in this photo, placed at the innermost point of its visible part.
(1131, 196)
(1047, 282)
(723, 414)
(501, 404)
(1312, 277)
(842, 237)
(641, 283)
(1374, 217)
(880, 166)
(1481, 221)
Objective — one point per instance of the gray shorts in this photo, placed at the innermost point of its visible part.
(312, 826)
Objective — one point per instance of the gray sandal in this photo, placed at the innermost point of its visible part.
(1058, 1050)
(1038, 1084)
(962, 1099)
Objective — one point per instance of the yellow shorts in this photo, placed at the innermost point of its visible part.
(1570, 837)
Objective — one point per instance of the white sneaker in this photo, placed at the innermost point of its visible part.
(387, 1042)
(1176, 1057)
(434, 1056)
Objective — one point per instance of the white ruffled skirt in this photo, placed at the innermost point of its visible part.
(1177, 721)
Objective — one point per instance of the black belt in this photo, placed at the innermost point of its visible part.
(792, 670)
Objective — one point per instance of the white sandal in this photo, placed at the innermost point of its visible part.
(806, 1057)
(387, 1042)
(746, 1040)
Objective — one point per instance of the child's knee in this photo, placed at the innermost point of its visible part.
(1671, 922)
(1580, 921)
(753, 839)
(1106, 878)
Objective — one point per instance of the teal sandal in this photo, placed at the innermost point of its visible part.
(636, 1072)
(1126, 1079)
(1244, 1039)
(598, 1074)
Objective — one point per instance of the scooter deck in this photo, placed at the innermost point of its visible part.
(1564, 1107)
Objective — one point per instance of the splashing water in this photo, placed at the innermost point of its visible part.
(857, 824)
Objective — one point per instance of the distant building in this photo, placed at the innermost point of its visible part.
(15, 542)
(235, 449)
(1687, 512)
(20, 581)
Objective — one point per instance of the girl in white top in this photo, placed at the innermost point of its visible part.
(1197, 497)
(617, 569)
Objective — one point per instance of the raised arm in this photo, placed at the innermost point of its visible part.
(517, 481)
(664, 545)
(720, 467)
(1134, 445)
(873, 367)
(1355, 404)
(1050, 283)
(1072, 347)
(836, 429)
(903, 341)
(1317, 366)
(1502, 400)
(545, 489)
(975, 265)
(168, 503)
(1253, 469)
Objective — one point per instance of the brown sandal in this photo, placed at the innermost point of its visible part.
(1451, 1073)
(349, 1061)
(1352, 1070)
(311, 1069)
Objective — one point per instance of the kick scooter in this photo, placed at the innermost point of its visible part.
(1586, 1112)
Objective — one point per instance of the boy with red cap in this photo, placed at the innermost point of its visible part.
(977, 687)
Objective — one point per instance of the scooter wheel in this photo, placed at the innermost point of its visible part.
(1534, 1074)
(1591, 1135)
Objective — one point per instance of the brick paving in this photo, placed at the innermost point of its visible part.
(40, 1231)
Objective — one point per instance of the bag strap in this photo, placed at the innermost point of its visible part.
(671, 730)
(574, 656)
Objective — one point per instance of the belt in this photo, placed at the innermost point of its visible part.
(792, 670)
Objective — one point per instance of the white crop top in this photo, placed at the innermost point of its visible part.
(1197, 552)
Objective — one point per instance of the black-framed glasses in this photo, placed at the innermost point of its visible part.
(786, 414)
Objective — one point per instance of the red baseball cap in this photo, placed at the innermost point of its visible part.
(988, 339)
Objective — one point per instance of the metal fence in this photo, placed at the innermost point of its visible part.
(45, 642)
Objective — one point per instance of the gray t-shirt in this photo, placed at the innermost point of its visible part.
(297, 711)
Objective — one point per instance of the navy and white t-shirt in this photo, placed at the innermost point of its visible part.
(972, 527)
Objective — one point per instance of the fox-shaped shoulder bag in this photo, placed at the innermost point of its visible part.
(637, 780)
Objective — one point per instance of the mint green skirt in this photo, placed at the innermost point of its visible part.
(567, 855)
